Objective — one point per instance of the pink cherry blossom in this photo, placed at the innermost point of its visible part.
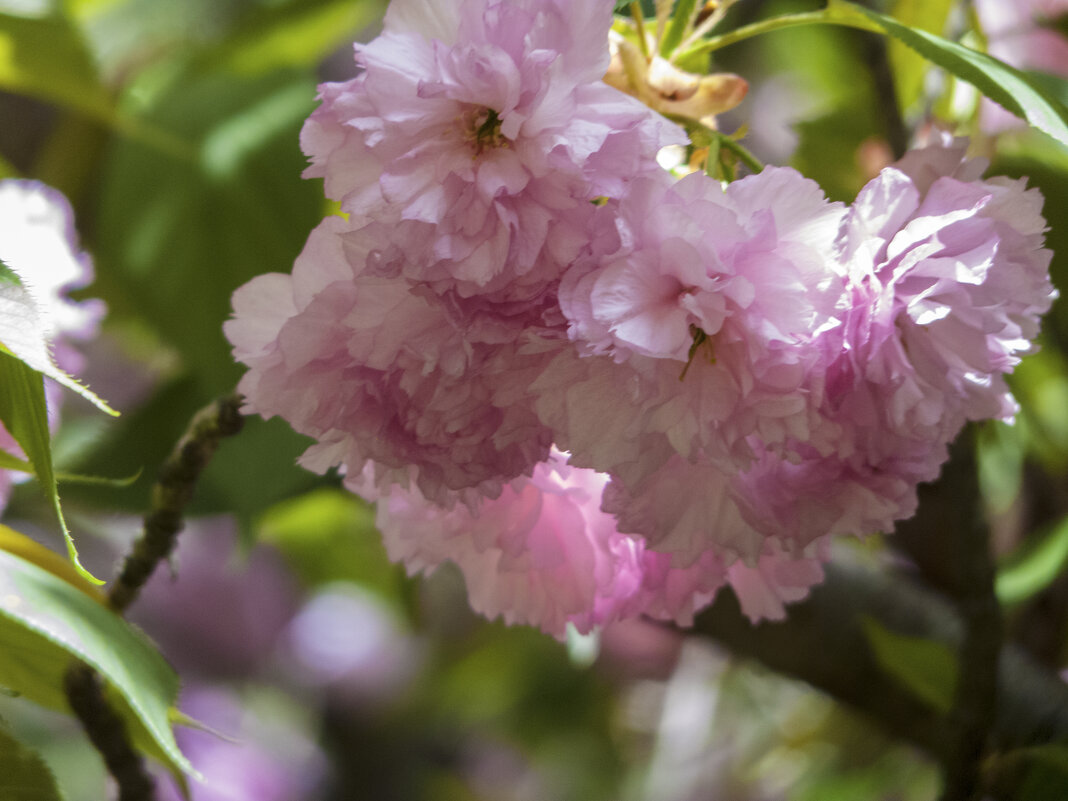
(480, 129)
(949, 278)
(712, 305)
(545, 554)
(375, 370)
(952, 278)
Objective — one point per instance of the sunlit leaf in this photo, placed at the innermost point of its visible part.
(25, 415)
(46, 621)
(1034, 570)
(1005, 85)
(926, 668)
(680, 20)
(45, 558)
(46, 58)
(24, 776)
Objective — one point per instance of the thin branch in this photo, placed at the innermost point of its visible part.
(824, 17)
(875, 53)
(172, 493)
(972, 716)
(107, 733)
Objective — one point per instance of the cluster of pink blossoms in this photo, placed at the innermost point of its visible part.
(599, 391)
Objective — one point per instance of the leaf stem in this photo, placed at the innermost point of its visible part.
(832, 15)
(639, 26)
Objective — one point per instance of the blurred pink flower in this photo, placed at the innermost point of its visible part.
(269, 753)
(218, 614)
(39, 244)
(1020, 33)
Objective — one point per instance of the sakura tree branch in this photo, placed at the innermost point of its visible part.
(875, 54)
(172, 493)
(823, 643)
(107, 733)
(972, 716)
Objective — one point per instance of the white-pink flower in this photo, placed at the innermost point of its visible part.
(480, 129)
(39, 245)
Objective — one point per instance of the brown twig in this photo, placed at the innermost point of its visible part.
(107, 733)
(972, 716)
(170, 495)
(173, 491)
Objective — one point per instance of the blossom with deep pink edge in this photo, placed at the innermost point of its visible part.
(39, 244)
(374, 369)
(545, 554)
(481, 129)
(716, 304)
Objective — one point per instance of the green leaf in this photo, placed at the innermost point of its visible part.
(292, 35)
(47, 59)
(926, 668)
(25, 415)
(1046, 776)
(24, 776)
(9, 461)
(1005, 85)
(329, 535)
(909, 67)
(1054, 85)
(45, 622)
(30, 550)
(1034, 570)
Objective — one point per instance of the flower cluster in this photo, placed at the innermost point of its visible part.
(599, 391)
